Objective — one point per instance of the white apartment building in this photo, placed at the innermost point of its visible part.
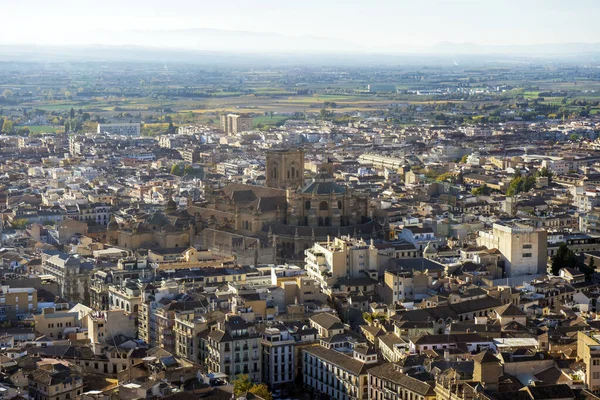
(120, 129)
(343, 257)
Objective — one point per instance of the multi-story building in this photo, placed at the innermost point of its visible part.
(53, 324)
(588, 351)
(165, 318)
(236, 123)
(152, 300)
(188, 325)
(98, 213)
(190, 156)
(120, 129)
(523, 248)
(336, 375)
(234, 348)
(384, 162)
(402, 284)
(326, 262)
(387, 382)
(230, 168)
(125, 297)
(278, 358)
(327, 325)
(127, 268)
(103, 326)
(17, 303)
(72, 275)
(55, 382)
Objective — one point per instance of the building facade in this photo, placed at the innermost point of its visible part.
(523, 248)
(234, 348)
(120, 129)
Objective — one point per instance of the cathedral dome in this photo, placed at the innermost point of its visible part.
(323, 183)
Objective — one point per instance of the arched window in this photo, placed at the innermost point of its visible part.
(307, 205)
(339, 204)
(293, 172)
(323, 206)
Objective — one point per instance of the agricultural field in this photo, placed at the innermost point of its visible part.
(161, 100)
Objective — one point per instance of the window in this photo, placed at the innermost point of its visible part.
(527, 246)
(323, 206)
(307, 205)
(526, 255)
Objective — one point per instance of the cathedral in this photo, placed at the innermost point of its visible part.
(278, 222)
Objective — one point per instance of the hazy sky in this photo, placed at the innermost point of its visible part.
(370, 24)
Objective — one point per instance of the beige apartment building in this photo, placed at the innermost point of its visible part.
(523, 248)
(52, 324)
(236, 123)
(103, 326)
(16, 303)
(588, 351)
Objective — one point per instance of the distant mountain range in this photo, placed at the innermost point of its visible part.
(225, 46)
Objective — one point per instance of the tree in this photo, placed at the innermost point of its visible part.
(563, 258)
(482, 190)
(545, 172)
(463, 160)
(261, 390)
(188, 169)
(72, 113)
(8, 126)
(176, 170)
(446, 176)
(241, 385)
(520, 184)
(20, 223)
(325, 114)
